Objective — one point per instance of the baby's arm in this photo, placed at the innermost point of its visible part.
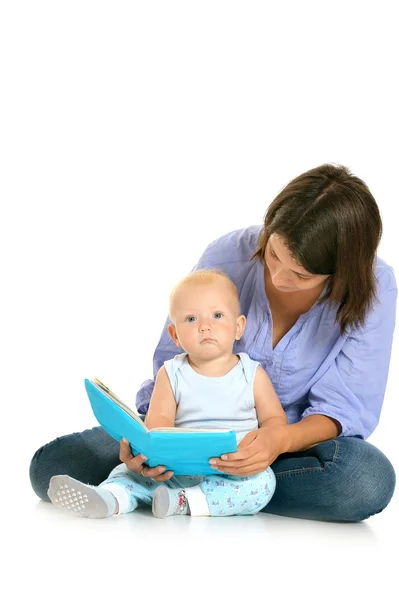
(162, 408)
(267, 404)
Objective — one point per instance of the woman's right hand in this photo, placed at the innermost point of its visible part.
(135, 464)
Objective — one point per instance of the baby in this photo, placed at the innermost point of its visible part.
(207, 386)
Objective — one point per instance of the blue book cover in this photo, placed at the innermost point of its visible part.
(183, 451)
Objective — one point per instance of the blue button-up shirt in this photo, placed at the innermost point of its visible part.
(314, 369)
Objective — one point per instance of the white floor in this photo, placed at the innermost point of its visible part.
(51, 555)
(135, 134)
(48, 555)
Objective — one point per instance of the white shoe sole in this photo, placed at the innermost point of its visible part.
(161, 502)
(78, 499)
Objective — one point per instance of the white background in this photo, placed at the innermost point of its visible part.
(132, 135)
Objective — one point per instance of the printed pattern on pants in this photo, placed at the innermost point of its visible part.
(226, 495)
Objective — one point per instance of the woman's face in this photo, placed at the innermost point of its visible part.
(286, 274)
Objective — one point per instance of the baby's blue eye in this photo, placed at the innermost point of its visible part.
(218, 315)
(191, 319)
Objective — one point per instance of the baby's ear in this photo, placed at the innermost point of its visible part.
(241, 323)
(173, 334)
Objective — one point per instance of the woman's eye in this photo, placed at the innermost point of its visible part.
(218, 315)
(190, 319)
(273, 254)
(302, 277)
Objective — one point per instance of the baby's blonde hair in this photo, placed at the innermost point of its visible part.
(203, 276)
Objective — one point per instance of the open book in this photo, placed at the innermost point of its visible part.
(182, 450)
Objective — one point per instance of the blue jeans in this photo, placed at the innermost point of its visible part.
(344, 479)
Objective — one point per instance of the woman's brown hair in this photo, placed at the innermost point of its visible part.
(332, 226)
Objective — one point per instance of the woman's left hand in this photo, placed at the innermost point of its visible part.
(257, 451)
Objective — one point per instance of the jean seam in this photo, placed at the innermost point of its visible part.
(311, 469)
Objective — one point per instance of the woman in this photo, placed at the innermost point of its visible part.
(320, 308)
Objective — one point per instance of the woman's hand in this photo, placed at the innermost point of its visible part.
(135, 463)
(257, 451)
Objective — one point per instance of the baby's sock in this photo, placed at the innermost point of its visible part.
(81, 500)
(167, 502)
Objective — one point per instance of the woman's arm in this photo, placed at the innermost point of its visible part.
(351, 391)
(311, 431)
(299, 436)
(260, 448)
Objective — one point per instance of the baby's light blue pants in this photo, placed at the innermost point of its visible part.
(213, 495)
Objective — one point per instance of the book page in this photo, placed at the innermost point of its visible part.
(107, 392)
(112, 396)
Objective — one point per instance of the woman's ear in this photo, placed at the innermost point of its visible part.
(241, 323)
(173, 334)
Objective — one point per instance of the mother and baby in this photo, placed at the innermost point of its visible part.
(282, 332)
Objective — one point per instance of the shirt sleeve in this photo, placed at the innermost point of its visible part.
(165, 350)
(353, 387)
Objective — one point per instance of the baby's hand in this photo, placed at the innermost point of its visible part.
(135, 464)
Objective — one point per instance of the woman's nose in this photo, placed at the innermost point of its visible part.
(280, 278)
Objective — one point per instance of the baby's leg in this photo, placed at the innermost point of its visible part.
(132, 489)
(129, 488)
(227, 495)
(79, 499)
(171, 498)
(216, 495)
(120, 493)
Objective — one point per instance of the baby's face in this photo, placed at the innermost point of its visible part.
(206, 319)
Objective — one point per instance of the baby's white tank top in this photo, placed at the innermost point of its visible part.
(214, 402)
